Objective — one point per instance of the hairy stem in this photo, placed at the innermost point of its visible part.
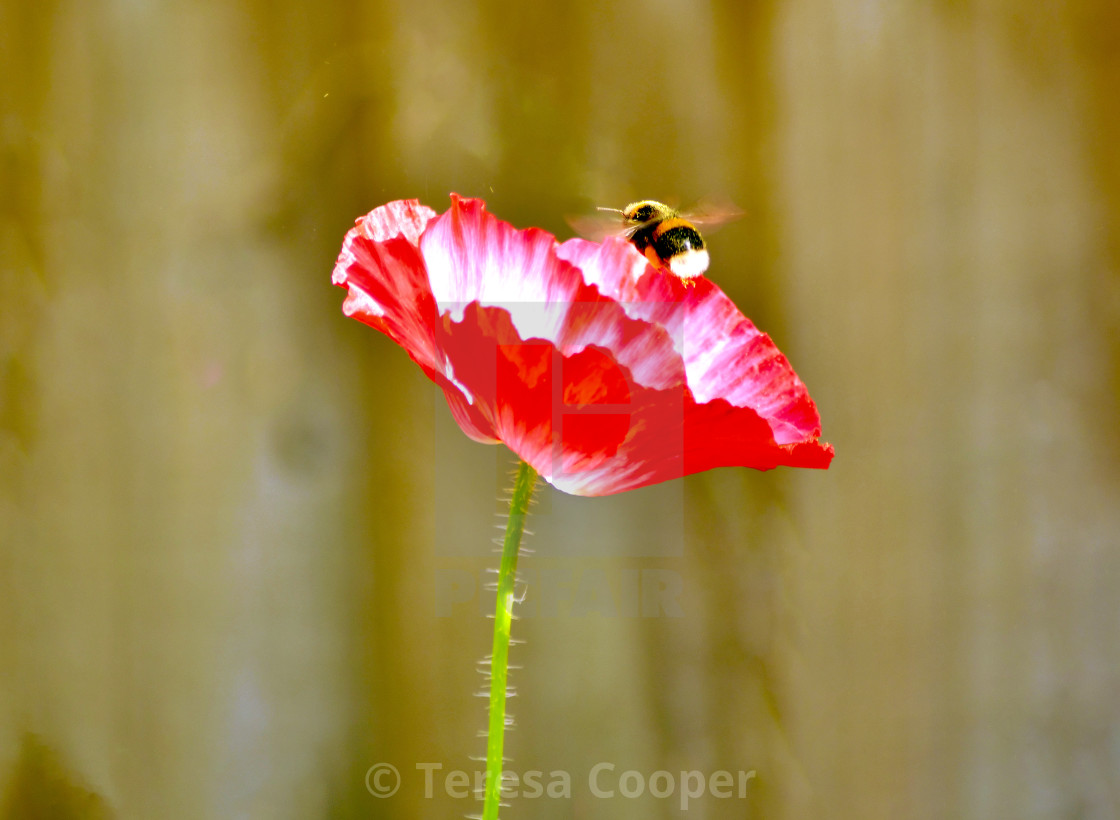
(499, 659)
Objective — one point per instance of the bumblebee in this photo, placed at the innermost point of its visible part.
(668, 238)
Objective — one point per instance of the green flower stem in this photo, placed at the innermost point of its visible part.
(499, 658)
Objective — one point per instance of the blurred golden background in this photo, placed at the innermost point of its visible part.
(241, 539)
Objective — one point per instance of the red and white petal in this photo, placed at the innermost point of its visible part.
(725, 355)
(383, 271)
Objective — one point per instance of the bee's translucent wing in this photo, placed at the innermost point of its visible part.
(605, 222)
(714, 212)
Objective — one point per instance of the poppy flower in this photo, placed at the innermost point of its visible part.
(600, 371)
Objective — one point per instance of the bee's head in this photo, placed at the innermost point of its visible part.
(646, 210)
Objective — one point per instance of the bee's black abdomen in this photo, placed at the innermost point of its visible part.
(675, 236)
